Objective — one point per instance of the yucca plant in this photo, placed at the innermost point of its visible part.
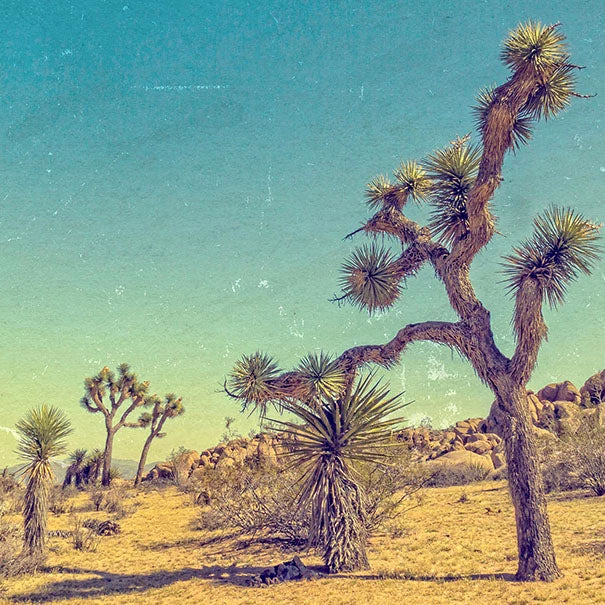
(459, 182)
(336, 433)
(75, 471)
(42, 437)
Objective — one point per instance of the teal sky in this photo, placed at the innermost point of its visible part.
(177, 178)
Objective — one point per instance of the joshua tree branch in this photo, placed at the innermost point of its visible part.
(530, 330)
(450, 334)
(509, 99)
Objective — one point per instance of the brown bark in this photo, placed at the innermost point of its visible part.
(105, 476)
(143, 459)
(534, 542)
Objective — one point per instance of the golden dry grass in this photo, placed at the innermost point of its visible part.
(450, 552)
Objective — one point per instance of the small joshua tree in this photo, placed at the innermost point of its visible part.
(106, 393)
(338, 430)
(459, 182)
(43, 432)
(75, 470)
(161, 410)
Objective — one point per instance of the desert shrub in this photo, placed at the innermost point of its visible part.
(448, 475)
(391, 489)
(252, 500)
(82, 537)
(263, 498)
(180, 466)
(58, 500)
(586, 455)
(13, 561)
(575, 461)
(111, 499)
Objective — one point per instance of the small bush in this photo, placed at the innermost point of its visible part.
(587, 458)
(12, 560)
(83, 538)
(448, 475)
(111, 499)
(252, 500)
(58, 502)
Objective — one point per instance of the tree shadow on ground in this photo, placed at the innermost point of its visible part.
(509, 577)
(107, 583)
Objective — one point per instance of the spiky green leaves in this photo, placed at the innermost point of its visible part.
(369, 278)
(42, 434)
(412, 182)
(251, 380)
(351, 428)
(453, 171)
(563, 245)
(320, 376)
(522, 126)
(536, 45)
(553, 94)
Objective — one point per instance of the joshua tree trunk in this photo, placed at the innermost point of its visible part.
(106, 474)
(143, 459)
(534, 542)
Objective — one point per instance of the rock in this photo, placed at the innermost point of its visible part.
(465, 457)
(284, 572)
(562, 391)
(498, 460)
(479, 447)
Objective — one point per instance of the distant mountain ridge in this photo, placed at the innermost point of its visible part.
(126, 467)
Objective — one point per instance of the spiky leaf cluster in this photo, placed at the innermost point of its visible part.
(381, 193)
(522, 126)
(533, 44)
(321, 377)
(251, 380)
(553, 94)
(42, 434)
(563, 245)
(369, 278)
(413, 179)
(453, 171)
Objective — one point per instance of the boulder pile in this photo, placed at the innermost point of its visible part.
(555, 409)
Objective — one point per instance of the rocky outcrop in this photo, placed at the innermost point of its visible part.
(263, 449)
(555, 409)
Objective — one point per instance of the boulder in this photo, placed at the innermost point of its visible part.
(465, 457)
(561, 391)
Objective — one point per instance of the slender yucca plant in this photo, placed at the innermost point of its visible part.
(42, 436)
(369, 278)
(336, 434)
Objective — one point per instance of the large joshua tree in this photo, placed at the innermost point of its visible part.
(459, 182)
(109, 394)
(161, 410)
(42, 437)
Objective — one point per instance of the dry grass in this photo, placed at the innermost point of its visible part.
(451, 551)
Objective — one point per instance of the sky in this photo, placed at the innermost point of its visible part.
(177, 178)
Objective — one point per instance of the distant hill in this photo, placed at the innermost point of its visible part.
(127, 468)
